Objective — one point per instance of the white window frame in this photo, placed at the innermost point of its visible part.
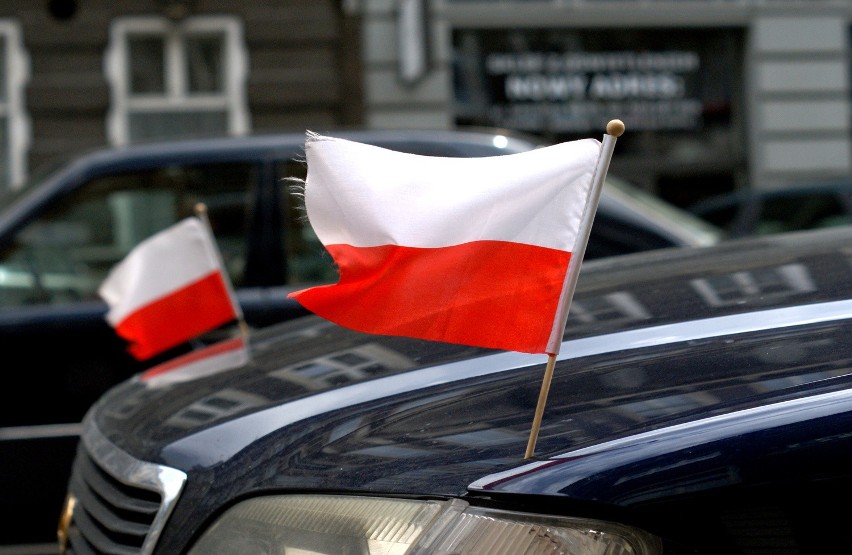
(13, 109)
(116, 67)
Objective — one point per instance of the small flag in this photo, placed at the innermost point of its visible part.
(472, 251)
(168, 289)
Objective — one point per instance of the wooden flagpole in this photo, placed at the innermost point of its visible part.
(539, 408)
(614, 129)
(201, 212)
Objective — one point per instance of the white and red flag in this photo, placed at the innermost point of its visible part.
(474, 251)
(169, 289)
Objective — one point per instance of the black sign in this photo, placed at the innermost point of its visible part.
(569, 81)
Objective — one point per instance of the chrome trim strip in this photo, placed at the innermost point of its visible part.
(29, 549)
(168, 482)
(213, 445)
(40, 432)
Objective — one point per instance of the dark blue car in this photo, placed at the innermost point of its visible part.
(701, 404)
(61, 235)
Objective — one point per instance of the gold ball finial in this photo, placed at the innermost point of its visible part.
(615, 128)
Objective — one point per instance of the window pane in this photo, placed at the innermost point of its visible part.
(147, 64)
(183, 79)
(204, 63)
(161, 125)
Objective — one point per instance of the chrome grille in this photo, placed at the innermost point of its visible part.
(121, 503)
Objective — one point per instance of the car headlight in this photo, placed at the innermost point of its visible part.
(329, 524)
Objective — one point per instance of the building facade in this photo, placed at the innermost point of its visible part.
(77, 74)
(715, 94)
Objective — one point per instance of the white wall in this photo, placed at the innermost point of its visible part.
(799, 98)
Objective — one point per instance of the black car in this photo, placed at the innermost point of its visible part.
(764, 211)
(701, 404)
(61, 235)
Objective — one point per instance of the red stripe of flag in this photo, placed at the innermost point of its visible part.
(171, 320)
(449, 294)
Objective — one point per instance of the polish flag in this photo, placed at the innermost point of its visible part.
(474, 251)
(169, 289)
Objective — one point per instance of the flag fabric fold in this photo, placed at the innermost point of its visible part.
(462, 250)
(169, 289)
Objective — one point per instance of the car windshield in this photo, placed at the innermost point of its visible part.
(700, 232)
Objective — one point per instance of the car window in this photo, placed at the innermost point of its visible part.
(307, 259)
(763, 212)
(65, 253)
(802, 211)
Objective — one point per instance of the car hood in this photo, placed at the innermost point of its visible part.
(318, 407)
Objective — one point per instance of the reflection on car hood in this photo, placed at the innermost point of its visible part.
(321, 407)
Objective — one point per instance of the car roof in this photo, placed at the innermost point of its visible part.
(443, 141)
(251, 148)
